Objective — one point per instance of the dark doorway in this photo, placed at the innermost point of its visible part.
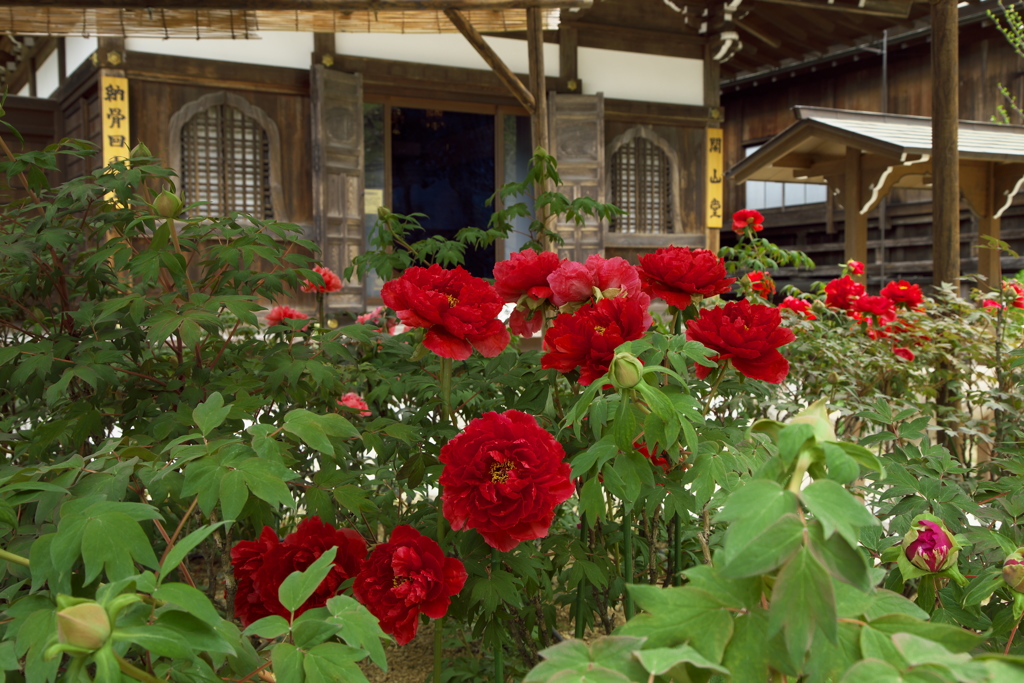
(443, 166)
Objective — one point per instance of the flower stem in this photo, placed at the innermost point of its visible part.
(627, 559)
(438, 644)
(321, 310)
(926, 593)
(499, 663)
(135, 672)
(581, 587)
(446, 390)
(677, 550)
(719, 375)
(1012, 634)
(11, 557)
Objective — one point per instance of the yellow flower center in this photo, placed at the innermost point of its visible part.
(500, 471)
(599, 329)
(399, 580)
(452, 301)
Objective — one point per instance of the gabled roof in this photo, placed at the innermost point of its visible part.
(808, 150)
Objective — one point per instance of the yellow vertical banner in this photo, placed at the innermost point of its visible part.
(114, 113)
(714, 180)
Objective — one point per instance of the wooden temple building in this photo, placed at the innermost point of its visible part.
(317, 112)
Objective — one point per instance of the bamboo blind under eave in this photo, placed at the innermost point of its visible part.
(246, 24)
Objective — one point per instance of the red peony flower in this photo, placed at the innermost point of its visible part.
(855, 267)
(680, 274)
(762, 283)
(523, 280)
(930, 546)
(587, 339)
(878, 327)
(332, 283)
(354, 400)
(904, 353)
(992, 304)
(260, 566)
(373, 317)
(745, 218)
(801, 307)
(878, 306)
(748, 335)
(459, 311)
(503, 476)
(576, 282)
(902, 292)
(842, 292)
(406, 576)
(661, 461)
(278, 314)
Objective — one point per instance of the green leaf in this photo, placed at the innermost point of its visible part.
(359, 628)
(333, 663)
(191, 599)
(210, 414)
(268, 627)
(920, 651)
(659, 660)
(982, 586)
(863, 456)
(802, 600)
(157, 639)
(110, 542)
(597, 455)
(837, 510)
(287, 661)
(675, 616)
(792, 439)
(764, 529)
(872, 671)
(299, 586)
(184, 546)
(952, 638)
(233, 494)
(314, 430)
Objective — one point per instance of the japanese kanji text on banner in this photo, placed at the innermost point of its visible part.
(114, 101)
(713, 193)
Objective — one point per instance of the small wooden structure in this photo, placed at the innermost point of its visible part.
(864, 155)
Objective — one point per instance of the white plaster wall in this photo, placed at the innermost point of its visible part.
(273, 48)
(24, 92)
(442, 49)
(642, 77)
(48, 76)
(77, 50)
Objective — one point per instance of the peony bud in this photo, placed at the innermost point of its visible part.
(1013, 570)
(167, 205)
(84, 626)
(816, 415)
(626, 371)
(140, 150)
(929, 546)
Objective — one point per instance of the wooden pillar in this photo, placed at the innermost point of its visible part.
(568, 57)
(855, 229)
(945, 118)
(713, 102)
(539, 118)
(977, 182)
(323, 49)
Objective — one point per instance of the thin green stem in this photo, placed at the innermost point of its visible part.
(719, 375)
(11, 557)
(135, 672)
(627, 559)
(321, 310)
(926, 593)
(677, 550)
(499, 663)
(581, 587)
(446, 390)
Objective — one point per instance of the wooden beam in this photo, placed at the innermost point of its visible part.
(855, 228)
(568, 56)
(897, 9)
(308, 5)
(501, 70)
(945, 156)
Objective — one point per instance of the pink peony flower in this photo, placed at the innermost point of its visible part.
(278, 314)
(332, 283)
(576, 282)
(855, 267)
(355, 401)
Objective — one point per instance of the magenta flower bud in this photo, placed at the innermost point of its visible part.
(1013, 570)
(930, 547)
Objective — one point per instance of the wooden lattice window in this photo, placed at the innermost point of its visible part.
(644, 183)
(227, 153)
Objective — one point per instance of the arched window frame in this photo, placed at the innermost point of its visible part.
(647, 132)
(187, 112)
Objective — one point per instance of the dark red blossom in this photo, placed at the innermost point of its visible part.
(745, 218)
(878, 306)
(855, 267)
(901, 292)
(260, 566)
(574, 282)
(904, 353)
(587, 339)
(929, 546)
(459, 311)
(842, 292)
(801, 307)
(748, 335)
(661, 461)
(523, 280)
(1017, 290)
(407, 576)
(504, 476)
(679, 274)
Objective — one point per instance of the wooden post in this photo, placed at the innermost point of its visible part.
(713, 101)
(945, 119)
(501, 70)
(539, 119)
(855, 229)
(977, 181)
(568, 57)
